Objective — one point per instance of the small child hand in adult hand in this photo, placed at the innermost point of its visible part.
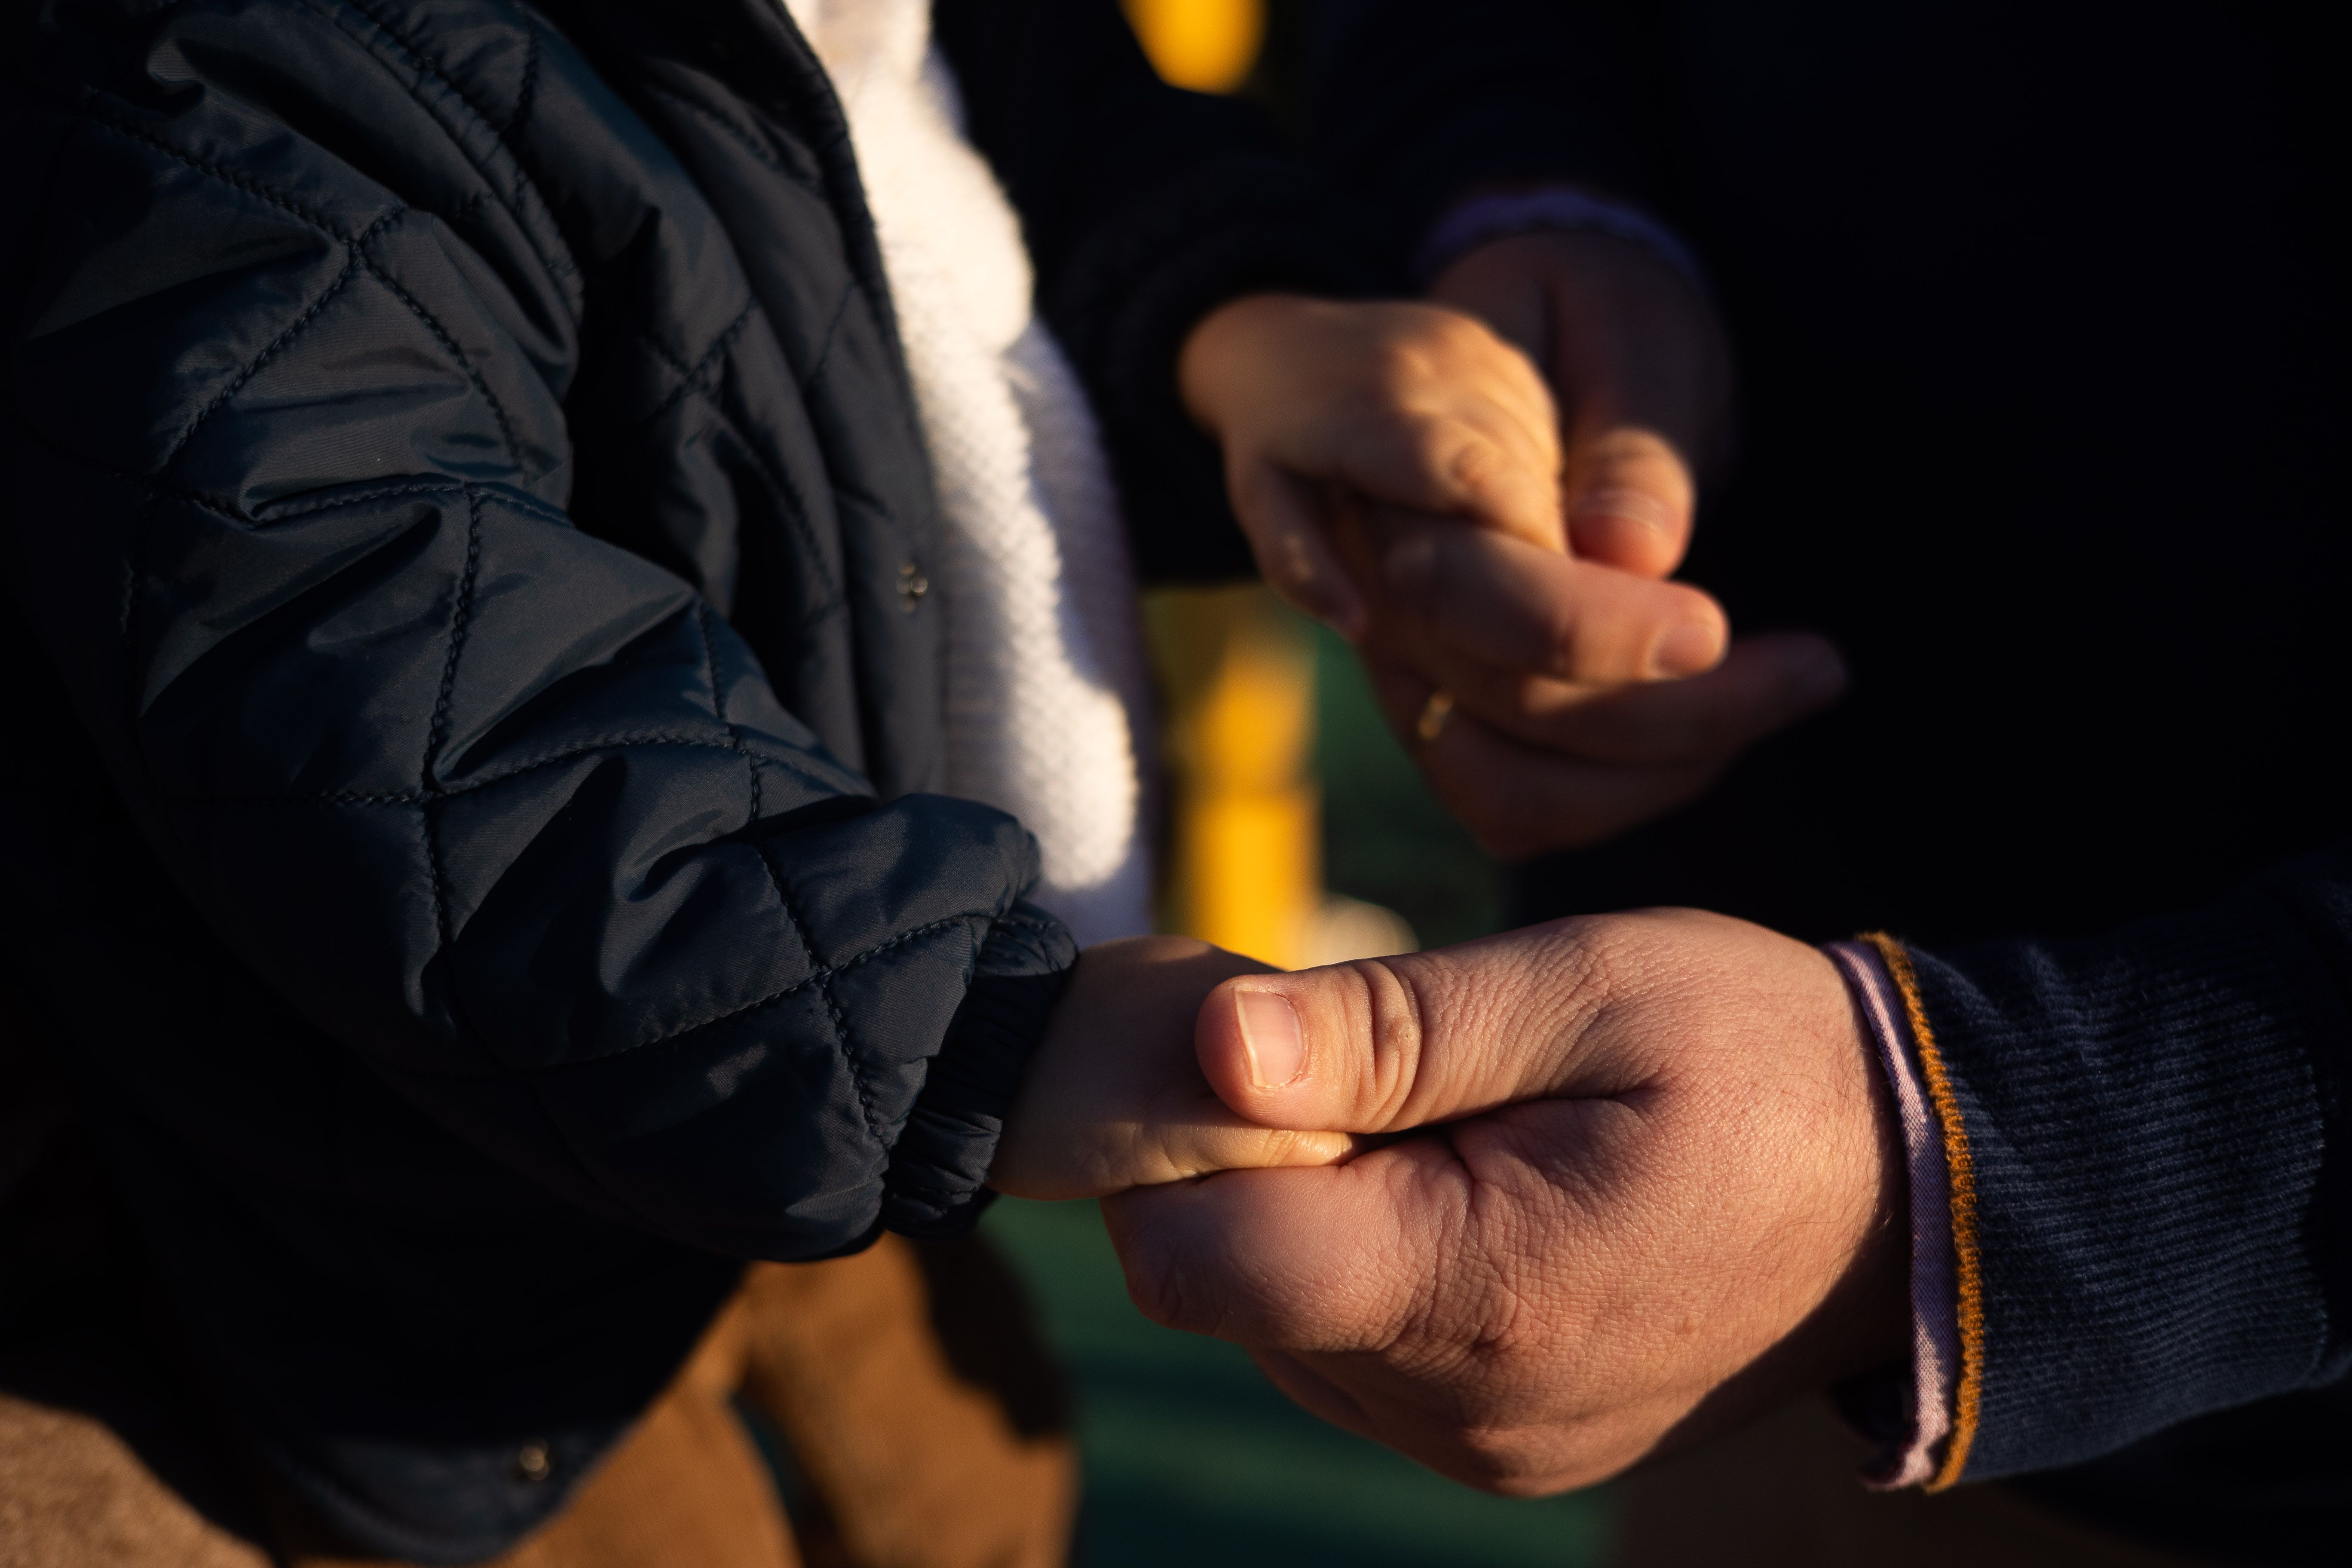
(1360, 437)
(1114, 1097)
(1317, 402)
(1398, 469)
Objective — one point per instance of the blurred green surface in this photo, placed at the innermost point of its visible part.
(1191, 1458)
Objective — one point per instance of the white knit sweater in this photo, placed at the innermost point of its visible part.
(1046, 686)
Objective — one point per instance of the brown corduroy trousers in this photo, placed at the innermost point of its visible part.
(904, 1392)
(920, 1439)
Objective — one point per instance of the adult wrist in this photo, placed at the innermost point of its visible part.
(2147, 1114)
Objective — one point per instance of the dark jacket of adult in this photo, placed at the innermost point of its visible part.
(2041, 322)
(471, 707)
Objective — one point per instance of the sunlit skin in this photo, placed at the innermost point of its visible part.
(1561, 395)
(1319, 404)
(1113, 1095)
(1660, 1191)
(1334, 418)
(1535, 1208)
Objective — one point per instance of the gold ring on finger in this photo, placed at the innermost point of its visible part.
(1433, 714)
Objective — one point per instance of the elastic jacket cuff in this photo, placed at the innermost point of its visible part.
(936, 1184)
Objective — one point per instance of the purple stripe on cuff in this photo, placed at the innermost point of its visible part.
(1934, 1299)
(1559, 209)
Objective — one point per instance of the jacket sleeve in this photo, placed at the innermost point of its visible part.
(509, 810)
(2145, 1135)
(1144, 206)
(1411, 110)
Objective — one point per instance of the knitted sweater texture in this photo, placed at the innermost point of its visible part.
(1045, 686)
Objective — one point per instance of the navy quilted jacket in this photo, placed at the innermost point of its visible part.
(465, 817)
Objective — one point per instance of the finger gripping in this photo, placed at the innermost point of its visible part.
(1331, 1048)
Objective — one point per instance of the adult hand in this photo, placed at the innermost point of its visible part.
(1639, 366)
(1579, 699)
(1114, 1095)
(1660, 1190)
(1585, 695)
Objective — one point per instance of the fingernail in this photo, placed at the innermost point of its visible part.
(1271, 1037)
(1691, 648)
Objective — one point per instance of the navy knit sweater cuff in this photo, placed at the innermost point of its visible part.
(2143, 1118)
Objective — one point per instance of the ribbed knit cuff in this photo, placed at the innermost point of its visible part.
(1916, 1412)
(938, 1168)
(2143, 1135)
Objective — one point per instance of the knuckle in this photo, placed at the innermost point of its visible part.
(1473, 462)
(1400, 1013)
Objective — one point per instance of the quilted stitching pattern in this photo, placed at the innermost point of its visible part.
(394, 483)
(462, 497)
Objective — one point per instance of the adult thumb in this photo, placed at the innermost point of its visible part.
(1384, 1044)
(1631, 501)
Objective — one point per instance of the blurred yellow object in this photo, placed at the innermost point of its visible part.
(1208, 46)
(1238, 675)
(1343, 928)
(1237, 671)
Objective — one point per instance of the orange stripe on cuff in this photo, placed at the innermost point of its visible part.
(1961, 1173)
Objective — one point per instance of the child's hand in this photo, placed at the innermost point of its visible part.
(1397, 468)
(1413, 405)
(1114, 1098)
